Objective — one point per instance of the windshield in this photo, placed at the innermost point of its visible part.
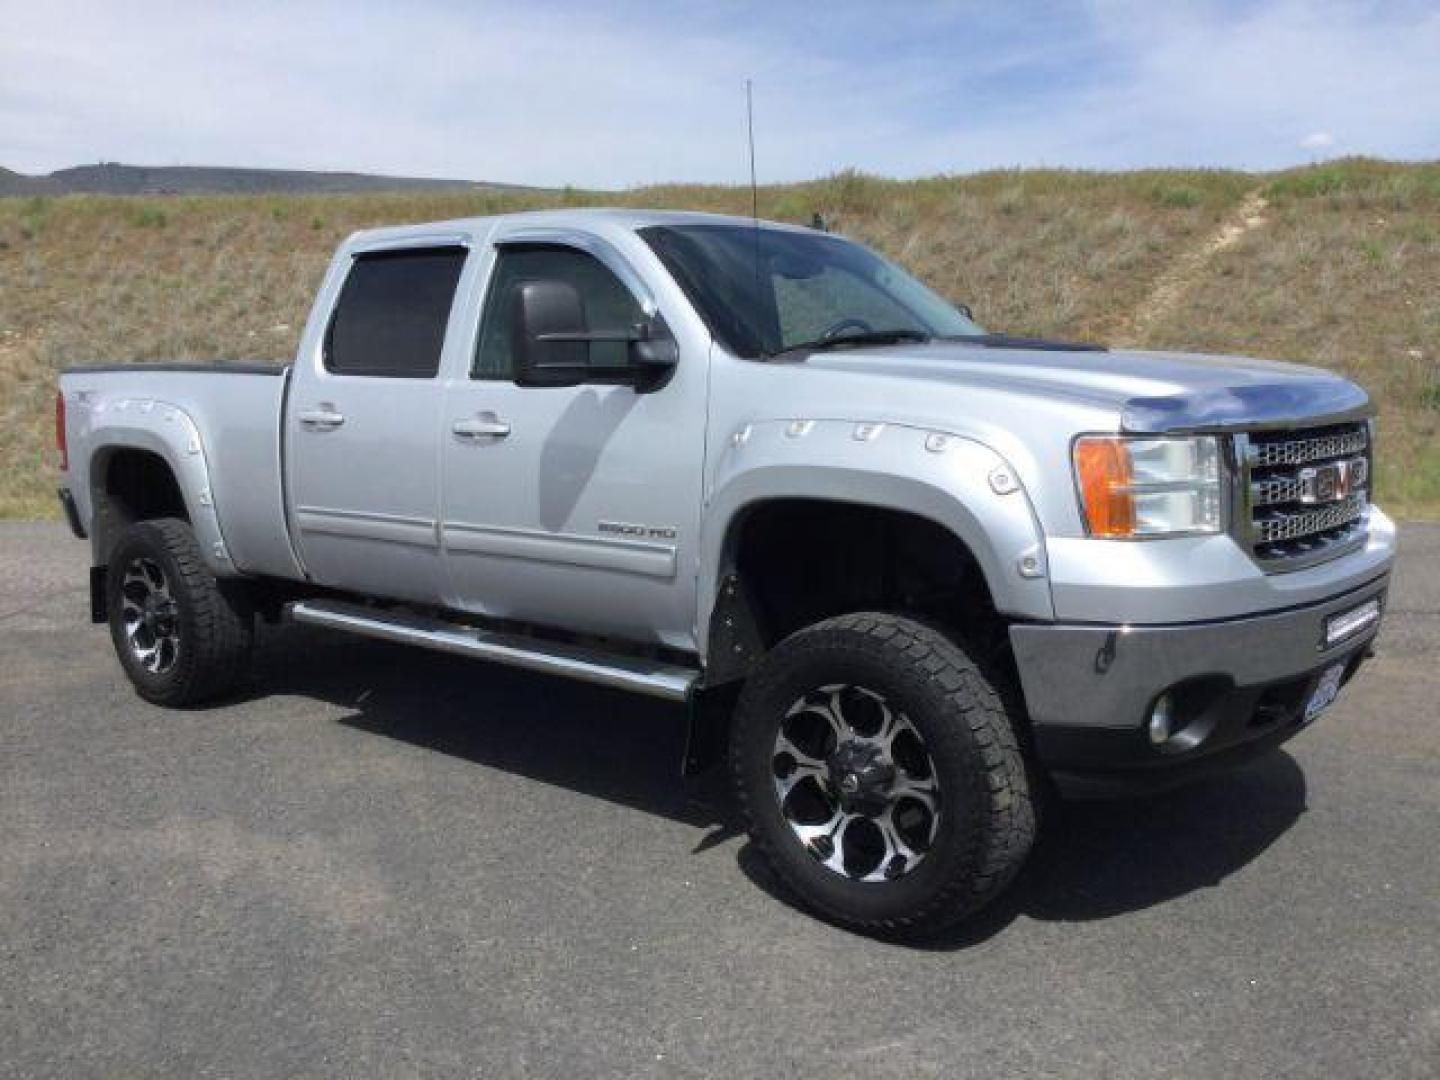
(765, 291)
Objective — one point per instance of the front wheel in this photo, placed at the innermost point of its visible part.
(182, 635)
(880, 775)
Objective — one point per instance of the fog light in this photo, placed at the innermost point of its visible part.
(1162, 717)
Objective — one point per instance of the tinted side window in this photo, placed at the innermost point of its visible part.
(390, 318)
(608, 305)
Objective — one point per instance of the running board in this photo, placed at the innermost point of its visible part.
(633, 673)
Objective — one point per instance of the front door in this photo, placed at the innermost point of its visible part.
(363, 428)
(574, 506)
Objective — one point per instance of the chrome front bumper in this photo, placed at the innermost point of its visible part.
(1240, 684)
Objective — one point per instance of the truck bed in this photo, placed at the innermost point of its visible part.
(218, 427)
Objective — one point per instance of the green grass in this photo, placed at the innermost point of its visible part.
(1344, 272)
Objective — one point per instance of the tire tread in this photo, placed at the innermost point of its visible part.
(222, 624)
(996, 855)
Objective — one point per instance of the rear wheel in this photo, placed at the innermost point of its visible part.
(182, 635)
(880, 775)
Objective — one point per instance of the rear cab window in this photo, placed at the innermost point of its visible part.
(390, 318)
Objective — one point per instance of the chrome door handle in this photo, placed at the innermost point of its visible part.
(321, 419)
(480, 429)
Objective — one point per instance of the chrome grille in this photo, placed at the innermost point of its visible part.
(1301, 450)
(1296, 487)
(1282, 490)
(1305, 494)
(1292, 526)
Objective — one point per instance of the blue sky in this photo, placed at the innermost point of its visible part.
(596, 94)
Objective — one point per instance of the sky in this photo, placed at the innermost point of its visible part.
(611, 95)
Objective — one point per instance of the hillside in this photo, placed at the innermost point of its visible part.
(14, 183)
(110, 178)
(1337, 265)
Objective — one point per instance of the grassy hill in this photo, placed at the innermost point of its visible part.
(1337, 265)
(113, 178)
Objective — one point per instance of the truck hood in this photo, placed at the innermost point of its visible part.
(1150, 391)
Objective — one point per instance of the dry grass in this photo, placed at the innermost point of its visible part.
(1345, 273)
(1343, 270)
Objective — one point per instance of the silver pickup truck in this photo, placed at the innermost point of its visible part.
(913, 575)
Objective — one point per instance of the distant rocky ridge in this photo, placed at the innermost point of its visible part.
(110, 178)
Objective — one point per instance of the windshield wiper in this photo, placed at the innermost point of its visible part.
(867, 337)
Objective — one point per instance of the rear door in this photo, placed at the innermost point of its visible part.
(362, 427)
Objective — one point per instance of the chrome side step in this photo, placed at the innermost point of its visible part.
(632, 673)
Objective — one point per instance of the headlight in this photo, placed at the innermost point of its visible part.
(1135, 488)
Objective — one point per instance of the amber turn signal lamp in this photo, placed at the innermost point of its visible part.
(1102, 466)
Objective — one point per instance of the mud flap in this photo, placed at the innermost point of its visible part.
(99, 610)
(708, 727)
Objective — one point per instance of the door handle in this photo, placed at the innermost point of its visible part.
(322, 419)
(483, 428)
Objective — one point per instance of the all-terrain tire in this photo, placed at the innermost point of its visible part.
(986, 821)
(208, 635)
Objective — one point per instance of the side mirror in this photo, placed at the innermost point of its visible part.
(654, 353)
(553, 342)
(547, 320)
(964, 309)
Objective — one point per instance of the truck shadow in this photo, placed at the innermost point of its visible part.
(616, 746)
(1094, 860)
(1100, 860)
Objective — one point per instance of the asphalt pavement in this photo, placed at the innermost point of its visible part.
(382, 862)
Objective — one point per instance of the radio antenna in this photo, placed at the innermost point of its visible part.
(754, 190)
(750, 131)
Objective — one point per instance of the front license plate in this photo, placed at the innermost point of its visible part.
(1325, 691)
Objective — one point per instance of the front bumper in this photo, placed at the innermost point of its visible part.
(1240, 686)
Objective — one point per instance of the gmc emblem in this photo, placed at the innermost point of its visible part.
(1332, 482)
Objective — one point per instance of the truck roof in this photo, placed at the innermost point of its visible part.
(598, 218)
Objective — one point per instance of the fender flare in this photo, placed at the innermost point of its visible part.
(169, 432)
(957, 482)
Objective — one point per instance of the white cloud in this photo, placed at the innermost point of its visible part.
(1317, 140)
(541, 94)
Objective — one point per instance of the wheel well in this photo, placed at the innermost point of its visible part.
(793, 562)
(133, 485)
(803, 560)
